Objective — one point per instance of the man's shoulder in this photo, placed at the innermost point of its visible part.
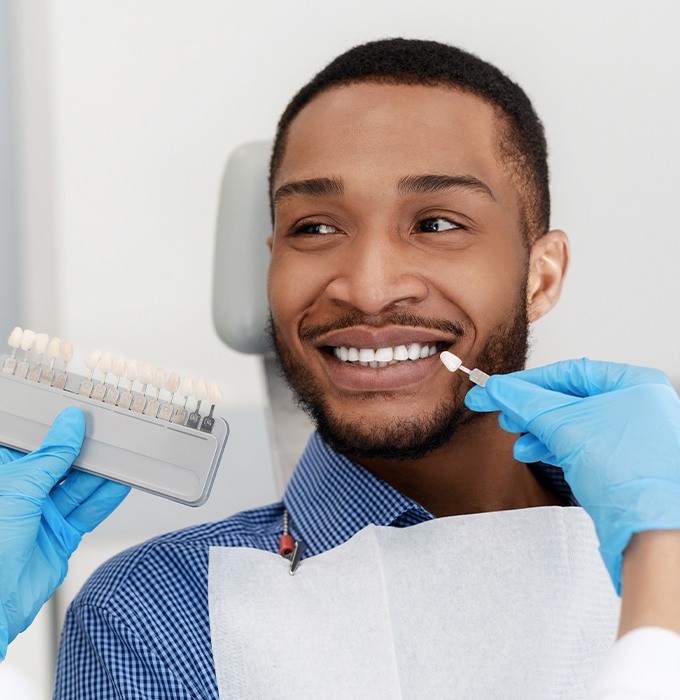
(177, 559)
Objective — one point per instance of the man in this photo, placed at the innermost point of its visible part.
(410, 201)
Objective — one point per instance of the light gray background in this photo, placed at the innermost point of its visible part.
(123, 113)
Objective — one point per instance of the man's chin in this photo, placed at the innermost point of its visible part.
(401, 439)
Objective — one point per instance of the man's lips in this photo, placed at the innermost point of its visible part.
(402, 369)
(391, 336)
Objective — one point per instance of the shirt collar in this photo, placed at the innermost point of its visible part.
(330, 498)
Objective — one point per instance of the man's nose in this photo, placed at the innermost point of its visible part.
(378, 272)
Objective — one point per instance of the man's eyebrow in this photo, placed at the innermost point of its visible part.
(430, 184)
(314, 187)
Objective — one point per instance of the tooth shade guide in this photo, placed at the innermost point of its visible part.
(40, 346)
(453, 362)
(14, 341)
(106, 373)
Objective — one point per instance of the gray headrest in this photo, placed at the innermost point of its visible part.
(239, 301)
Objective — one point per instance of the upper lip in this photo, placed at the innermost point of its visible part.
(391, 336)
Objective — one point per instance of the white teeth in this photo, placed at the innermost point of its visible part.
(366, 355)
(401, 352)
(414, 351)
(382, 357)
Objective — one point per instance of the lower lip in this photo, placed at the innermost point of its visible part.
(354, 377)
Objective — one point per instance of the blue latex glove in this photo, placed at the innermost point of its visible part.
(42, 519)
(614, 430)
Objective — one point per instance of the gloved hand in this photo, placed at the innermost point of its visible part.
(42, 520)
(614, 430)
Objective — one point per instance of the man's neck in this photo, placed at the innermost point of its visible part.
(475, 472)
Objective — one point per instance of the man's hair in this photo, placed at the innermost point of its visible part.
(521, 138)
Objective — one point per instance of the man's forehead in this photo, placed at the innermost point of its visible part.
(414, 128)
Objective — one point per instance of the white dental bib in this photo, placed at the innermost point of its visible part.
(512, 604)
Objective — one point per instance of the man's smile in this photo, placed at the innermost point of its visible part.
(364, 358)
(382, 357)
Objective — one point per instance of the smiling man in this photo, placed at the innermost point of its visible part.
(409, 189)
(410, 219)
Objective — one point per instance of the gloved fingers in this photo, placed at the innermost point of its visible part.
(98, 506)
(7, 455)
(529, 449)
(478, 399)
(586, 377)
(57, 532)
(508, 424)
(52, 460)
(76, 488)
(520, 401)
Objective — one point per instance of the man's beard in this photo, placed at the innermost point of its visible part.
(410, 437)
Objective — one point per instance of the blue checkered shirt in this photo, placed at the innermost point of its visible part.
(140, 626)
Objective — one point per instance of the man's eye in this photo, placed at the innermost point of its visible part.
(437, 224)
(315, 228)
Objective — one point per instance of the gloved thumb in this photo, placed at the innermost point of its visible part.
(521, 402)
(52, 460)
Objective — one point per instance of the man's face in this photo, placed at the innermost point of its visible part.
(397, 230)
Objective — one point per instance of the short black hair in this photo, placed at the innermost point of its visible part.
(522, 143)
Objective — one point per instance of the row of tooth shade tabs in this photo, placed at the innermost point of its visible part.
(103, 366)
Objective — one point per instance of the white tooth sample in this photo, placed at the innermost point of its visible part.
(186, 388)
(336, 352)
(41, 341)
(414, 351)
(54, 347)
(106, 363)
(200, 390)
(159, 379)
(172, 383)
(433, 350)
(146, 374)
(451, 362)
(400, 352)
(119, 367)
(65, 351)
(366, 355)
(15, 336)
(384, 355)
(344, 354)
(27, 338)
(424, 351)
(132, 372)
(215, 395)
(352, 354)
(92, 360)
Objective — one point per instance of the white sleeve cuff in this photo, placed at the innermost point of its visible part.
(643, 665)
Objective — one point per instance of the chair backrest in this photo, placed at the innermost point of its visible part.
(239, 302)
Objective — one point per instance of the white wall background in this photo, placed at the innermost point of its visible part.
(126, 111)
(131, 107)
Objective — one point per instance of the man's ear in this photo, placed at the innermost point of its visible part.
(548, 262)
(270, 242)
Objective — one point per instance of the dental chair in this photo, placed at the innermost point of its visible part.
(239, 296)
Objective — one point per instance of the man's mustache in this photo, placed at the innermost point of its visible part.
(392, 318)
